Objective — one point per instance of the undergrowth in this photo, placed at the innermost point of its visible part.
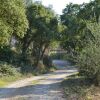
(79, 88)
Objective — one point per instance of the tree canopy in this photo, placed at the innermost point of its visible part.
(13, 20)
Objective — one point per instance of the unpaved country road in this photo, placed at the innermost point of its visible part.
(46, 87)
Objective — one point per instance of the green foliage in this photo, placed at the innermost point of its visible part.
(90, 11)
(74, 37)
(89, 58)
(30, 43)
(82, 37)
(7, 70)
(12, 20)
(75, 18)
(42, 30)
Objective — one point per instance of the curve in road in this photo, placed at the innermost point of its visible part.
(47, 86)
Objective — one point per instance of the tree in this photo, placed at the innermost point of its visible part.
(75, 35)
(42, 30)
(90, 11)
(28, 2)
(13, 20)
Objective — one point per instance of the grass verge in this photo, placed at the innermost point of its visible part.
(78, 88)
(6, 80)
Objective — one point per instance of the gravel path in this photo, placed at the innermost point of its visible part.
(44, 87)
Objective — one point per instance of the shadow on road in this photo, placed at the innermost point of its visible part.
(48, 87)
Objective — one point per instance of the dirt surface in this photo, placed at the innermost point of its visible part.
(44, 87)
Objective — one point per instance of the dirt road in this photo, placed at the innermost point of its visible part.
(44, 87)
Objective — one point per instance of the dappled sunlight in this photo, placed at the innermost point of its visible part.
(47, 86)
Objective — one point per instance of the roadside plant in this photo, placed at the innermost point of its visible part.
(89, 58)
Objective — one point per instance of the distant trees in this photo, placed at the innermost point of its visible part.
(75, 18)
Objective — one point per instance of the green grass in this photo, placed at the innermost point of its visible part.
(6, 80)
(78, 88)
(2, 83)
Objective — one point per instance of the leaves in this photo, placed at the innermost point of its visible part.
(12, 20)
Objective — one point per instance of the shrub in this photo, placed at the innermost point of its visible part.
(6, 69)
(89, 58)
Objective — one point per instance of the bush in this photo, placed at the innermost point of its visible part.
(89, 62)
(6, 69)
(89, 58)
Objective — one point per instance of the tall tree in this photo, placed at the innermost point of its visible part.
(76, 28)
(42, 26)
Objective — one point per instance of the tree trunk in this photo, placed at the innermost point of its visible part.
(43, 51)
